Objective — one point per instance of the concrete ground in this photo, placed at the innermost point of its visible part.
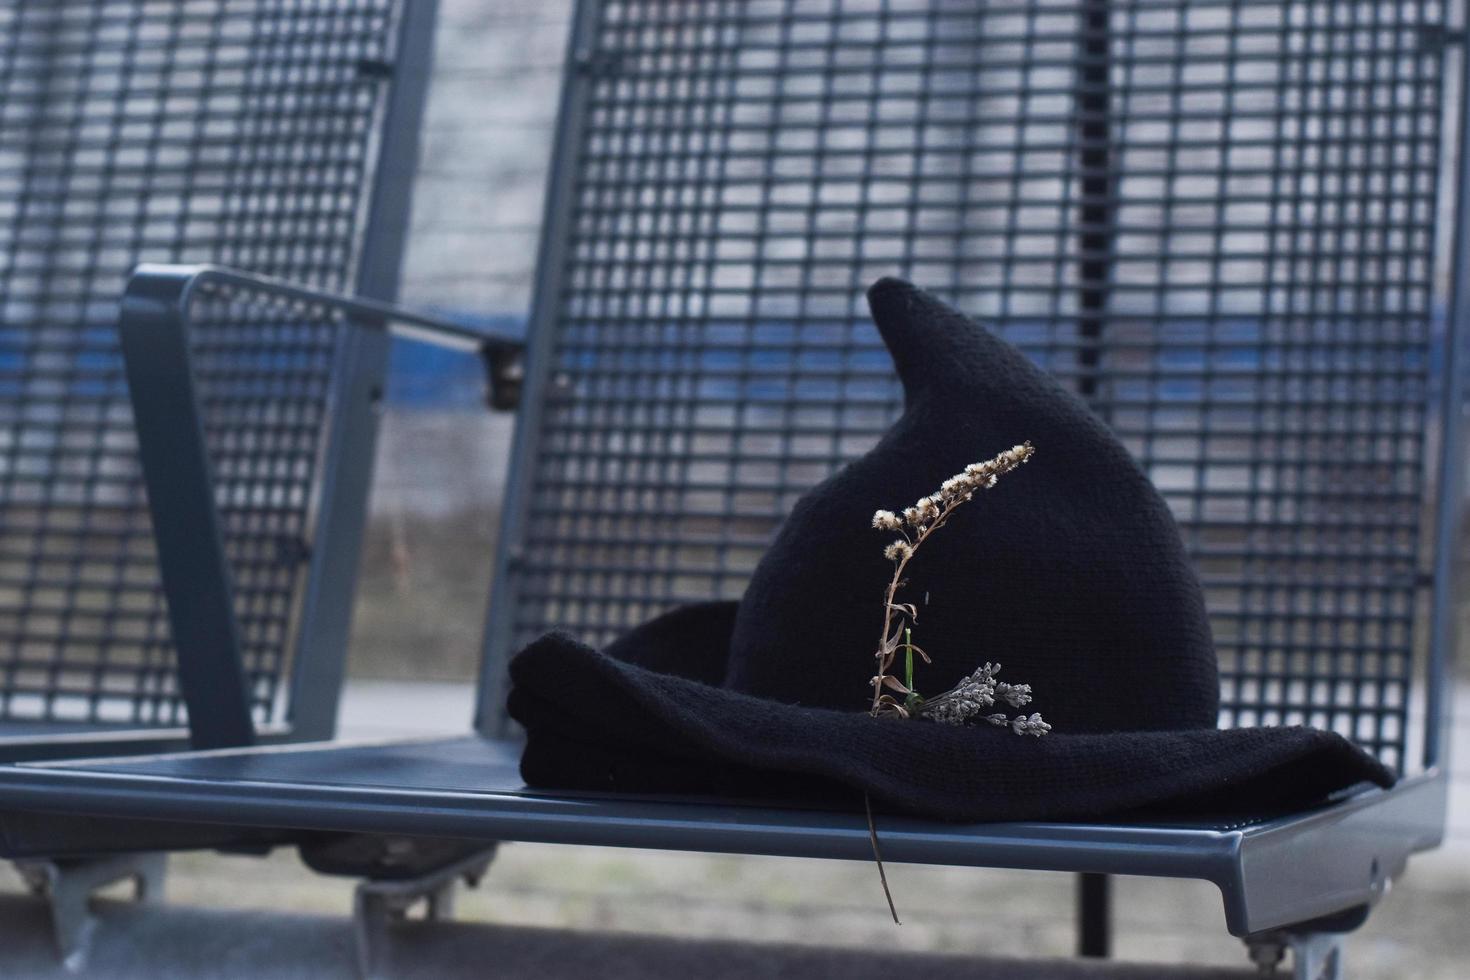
(1419, 930)
(205, 943)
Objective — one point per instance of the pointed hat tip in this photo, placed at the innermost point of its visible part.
(890, 295)
(932, 344)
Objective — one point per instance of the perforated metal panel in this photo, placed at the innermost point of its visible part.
(1216, 220)
(191, 130)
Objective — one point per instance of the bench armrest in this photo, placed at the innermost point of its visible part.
(154, 328)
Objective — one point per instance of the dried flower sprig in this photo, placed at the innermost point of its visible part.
(973, 694)
(980, 690)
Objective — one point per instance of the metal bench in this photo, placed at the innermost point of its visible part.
(1231, 226)
(282, 138)
(247, 135)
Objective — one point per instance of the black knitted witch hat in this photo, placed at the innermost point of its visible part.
(1070, 573)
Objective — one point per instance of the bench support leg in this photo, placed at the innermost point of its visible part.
(381, 903)
(68, 887)
(1314, 955)
(1094, 915)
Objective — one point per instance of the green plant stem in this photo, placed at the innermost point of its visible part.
(908, 666)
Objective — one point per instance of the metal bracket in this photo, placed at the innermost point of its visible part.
(68, 887)
(505, 373)
(1314, 955)
(379, 904)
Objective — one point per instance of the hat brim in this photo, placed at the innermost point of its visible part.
(626, 721)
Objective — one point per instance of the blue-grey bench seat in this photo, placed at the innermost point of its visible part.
(1272, 872)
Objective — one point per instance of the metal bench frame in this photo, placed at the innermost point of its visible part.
(320, 638)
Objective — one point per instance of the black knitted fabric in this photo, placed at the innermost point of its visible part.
(1070, 573)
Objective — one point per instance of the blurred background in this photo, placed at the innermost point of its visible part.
(476, 223)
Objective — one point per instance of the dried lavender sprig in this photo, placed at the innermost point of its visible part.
(1020, 724)
(980, 690)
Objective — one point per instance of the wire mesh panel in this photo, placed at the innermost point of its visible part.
(1271, 330)
(1215, 220)
(187, 130)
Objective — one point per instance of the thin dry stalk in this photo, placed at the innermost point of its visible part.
(878, 857)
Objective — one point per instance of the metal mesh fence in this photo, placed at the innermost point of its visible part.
(1217, 220)
(189, 130)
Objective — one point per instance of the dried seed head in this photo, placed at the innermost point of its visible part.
(954, 486)
(926, 508)
(898, 550)
(985, 473)
(886, 520)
